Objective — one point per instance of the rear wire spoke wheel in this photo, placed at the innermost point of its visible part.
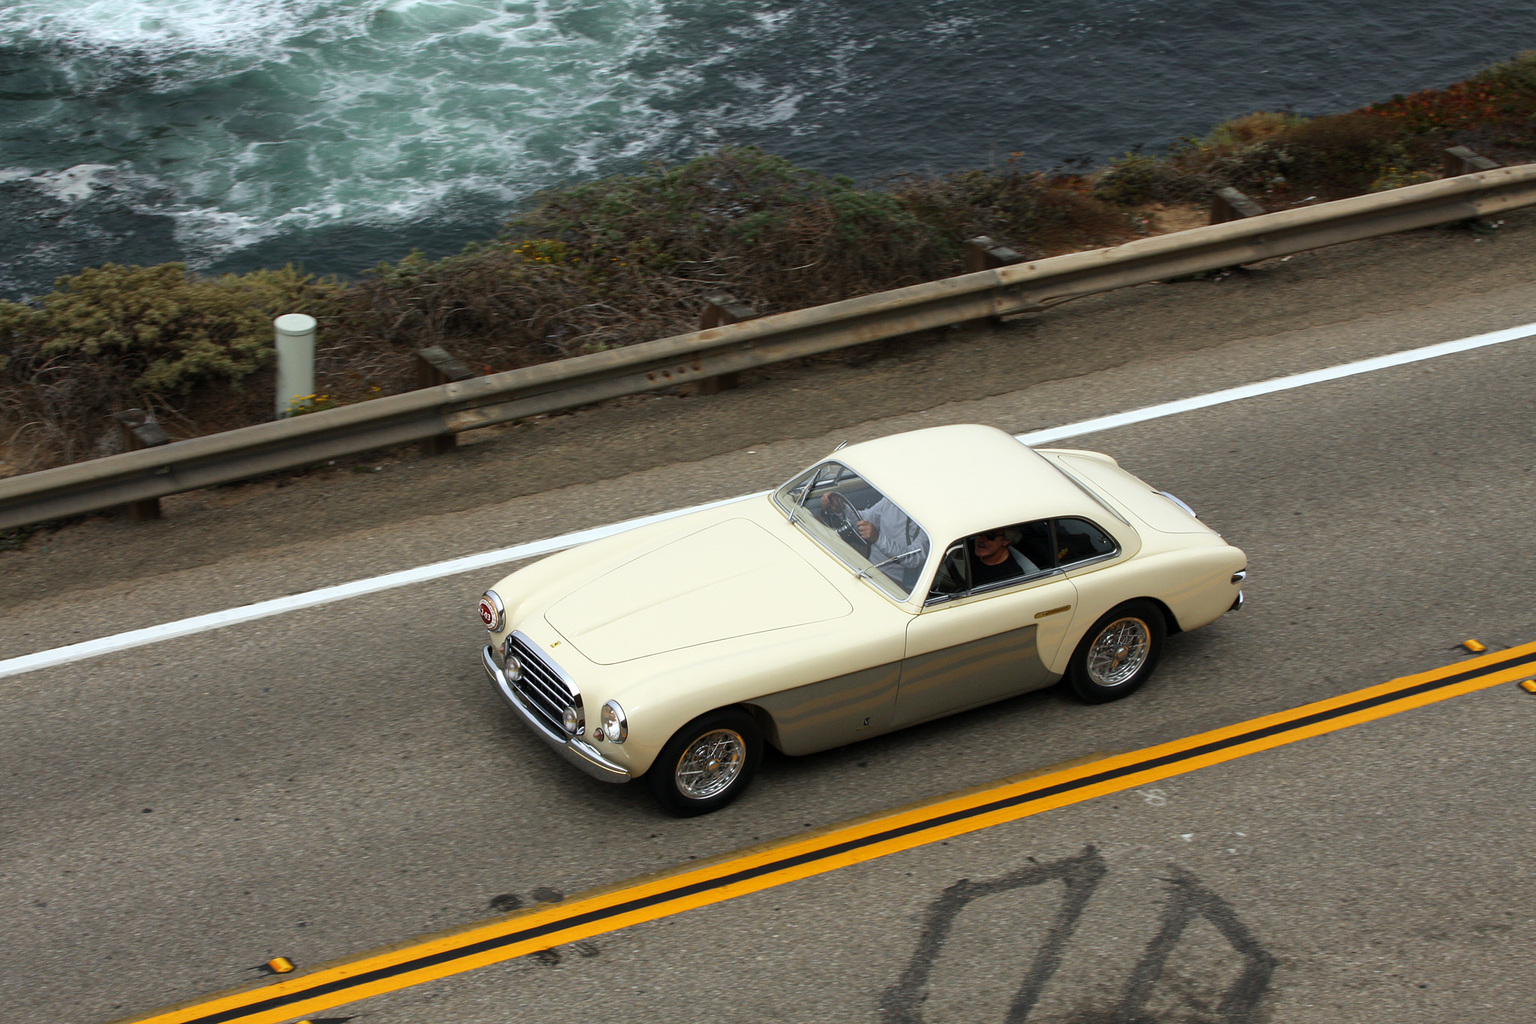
(708, 763)
(1118, 654)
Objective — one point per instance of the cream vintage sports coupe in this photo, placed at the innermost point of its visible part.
(895, 582)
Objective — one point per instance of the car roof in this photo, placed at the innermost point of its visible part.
(962, 479)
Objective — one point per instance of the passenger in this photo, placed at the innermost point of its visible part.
(994, 558)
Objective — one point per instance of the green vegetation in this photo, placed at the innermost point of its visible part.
(113, 337)
(630, 258)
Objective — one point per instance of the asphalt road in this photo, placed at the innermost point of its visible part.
(320, 784)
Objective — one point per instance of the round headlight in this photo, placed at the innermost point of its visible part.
(513, 667)
(571, 719)
(492, 612)
(615, 726)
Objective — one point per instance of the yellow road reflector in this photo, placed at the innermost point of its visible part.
(280, 965)
(1475, 646)
(1529, 686)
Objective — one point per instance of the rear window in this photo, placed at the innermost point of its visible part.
(1078, 540)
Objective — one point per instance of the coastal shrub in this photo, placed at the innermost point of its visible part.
(1443, 111)
(777, 235)
(630, 258)
(496, 305)
(1398, 177)
(1136, 178)
(1069, 217)
(1031, 212)
(115, 337)
(1235, 138)
(1516, 75)
(1343, 154)
(1488, 105)
(1131, 179)
(1247, 152)
(160, 329)
(963, 204)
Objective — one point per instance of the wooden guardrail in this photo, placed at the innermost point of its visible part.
(137, 476)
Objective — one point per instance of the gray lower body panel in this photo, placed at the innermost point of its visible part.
(820, 716)
(970, 675)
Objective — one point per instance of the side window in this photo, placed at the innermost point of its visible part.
(993, 559)
(1036, 544)
(1078, 540)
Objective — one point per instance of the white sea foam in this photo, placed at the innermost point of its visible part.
(73, 183)
(265, 116)
(158, 24)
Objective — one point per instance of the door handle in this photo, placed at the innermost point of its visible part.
(1053, 611)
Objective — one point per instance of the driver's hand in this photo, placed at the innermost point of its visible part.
(868, 531)
(832, 501)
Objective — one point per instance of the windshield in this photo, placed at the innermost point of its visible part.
(862, 527)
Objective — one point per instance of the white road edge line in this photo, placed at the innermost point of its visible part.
(389, 581)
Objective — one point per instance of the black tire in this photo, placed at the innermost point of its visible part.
(735, 734)
(1118, 654)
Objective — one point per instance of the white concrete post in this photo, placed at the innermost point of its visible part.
(295, 339)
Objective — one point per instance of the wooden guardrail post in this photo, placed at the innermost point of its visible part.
(435, 366)
(1459, 160)
(720, 309)
(139, 431)
(983, 253)
(1230, 204)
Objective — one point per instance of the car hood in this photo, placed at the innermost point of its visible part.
(727, 580)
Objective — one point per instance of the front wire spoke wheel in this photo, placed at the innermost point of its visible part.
(707, 763)
(711, 763)
(1119, 652)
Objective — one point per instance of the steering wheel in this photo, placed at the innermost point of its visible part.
(839, 515)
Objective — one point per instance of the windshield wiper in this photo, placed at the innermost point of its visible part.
(864, 573)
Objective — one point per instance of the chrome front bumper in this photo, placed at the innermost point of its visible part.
(577, 751)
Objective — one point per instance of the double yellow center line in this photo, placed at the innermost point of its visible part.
(815, 853)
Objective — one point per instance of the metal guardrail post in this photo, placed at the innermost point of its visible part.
(1229, 204)
(720, 309)
(139, 431)
(1460, 160)
(435, 366)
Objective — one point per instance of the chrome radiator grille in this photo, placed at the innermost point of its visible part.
(540, 685)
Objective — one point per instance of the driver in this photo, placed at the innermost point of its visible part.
(893, 538)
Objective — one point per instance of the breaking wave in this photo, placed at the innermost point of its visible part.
(347, 131)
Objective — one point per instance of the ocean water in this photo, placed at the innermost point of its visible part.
(338, 133)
